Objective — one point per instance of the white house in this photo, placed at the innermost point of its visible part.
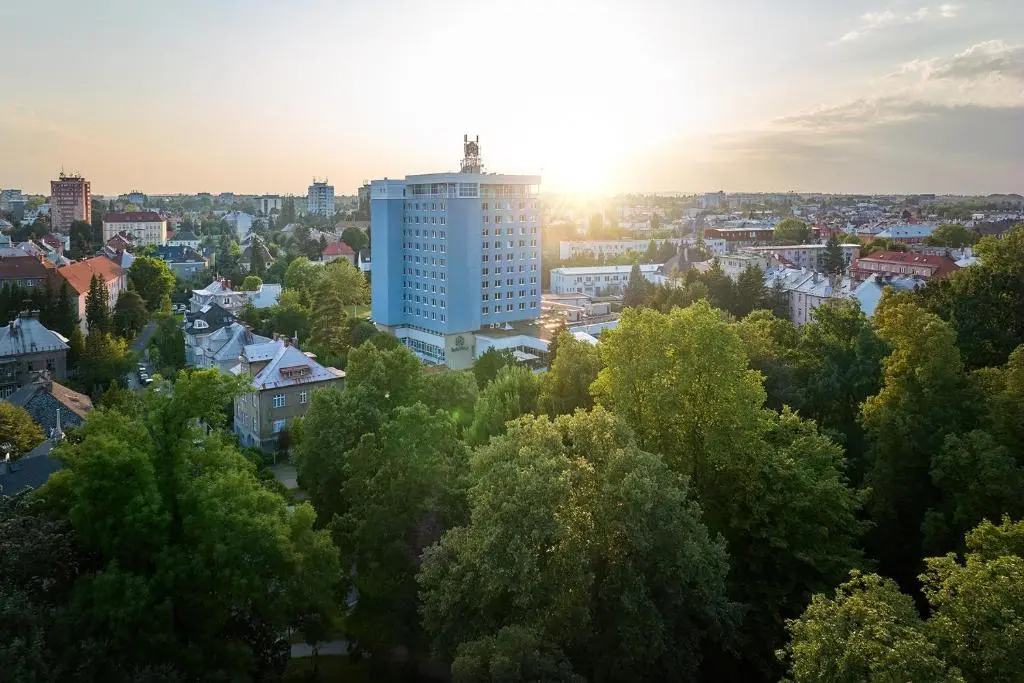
(145, 226)
(597, 280)
(806, 290)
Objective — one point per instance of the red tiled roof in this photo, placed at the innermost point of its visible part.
(54, 241)
(22, 267)
(338, 249)
(80, 273)
(132, 217)
(943, 265)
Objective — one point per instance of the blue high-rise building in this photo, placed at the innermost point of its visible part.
(454, 254)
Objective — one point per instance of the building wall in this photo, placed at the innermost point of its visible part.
(256, 416)
(70, 201)
(386, 252)
(17, 371)
(145, 232)
(320, 199)
(606, 248)
(595, 282)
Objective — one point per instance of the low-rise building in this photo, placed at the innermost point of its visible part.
(869, 293)
(597, 280)
(806, 290)
(185, 262)
(183, 238)
(282, 380)
(809, 256)
(27, 348)
(338, 250)
(52, 406)
(218, 292)
(908, 234)
(214, 338)
(735, 265)
(903, 263)
(22, 270)
(147, 227)
(606, 248)
(80, 273)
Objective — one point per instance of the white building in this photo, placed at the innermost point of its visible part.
(805, 255)
(597, 280)
(268, 203)
(711, 200)
(806, 290)
(320, 199)
(145, 226)
(184, 238)
(735, 265)
(605, 248)
(240, 222)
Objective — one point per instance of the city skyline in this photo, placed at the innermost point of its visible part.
(893, 97)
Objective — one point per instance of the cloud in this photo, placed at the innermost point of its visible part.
(873, 22)
(993, 58)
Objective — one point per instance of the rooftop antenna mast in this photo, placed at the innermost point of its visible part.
(471, 162)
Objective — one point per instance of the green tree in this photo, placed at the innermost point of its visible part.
(636, 288)
(97, 306)
(403, 486)
(513, 393)
(579, 530)
(721, 290)
(130, 314)
(833, 262)
(18, 429)
(925, 396)
(197, 566)
(394, 376)
(749, 291)
(290, 316)
(566, 386)
(952, 235)
(251, 283)
(556, 335)
(104, 358)
(167, 346)
(327, 328)
(489, 363)
(152, 278)
(81, 239)
(121, 400)
(454, 392)
(514, 653)
(257, 257)
(792, 231)
(303, 276)
(355, 238)
(868, 632)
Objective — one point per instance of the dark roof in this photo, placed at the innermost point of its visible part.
(213, 315)
(943, 265)
(28, 472)
(185, 236)
(22, 267)
(132, 217)
(178, 253)
(42, 400)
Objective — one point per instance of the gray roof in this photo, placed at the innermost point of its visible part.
(213, 315)
(266, 296)
(282, 357)
(808, 282)
(29, 472)
(25, 334)
(869, 293)
(42, 400)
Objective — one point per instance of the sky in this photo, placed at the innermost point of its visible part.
(255, 96)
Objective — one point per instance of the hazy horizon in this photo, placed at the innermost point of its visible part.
(860, 98)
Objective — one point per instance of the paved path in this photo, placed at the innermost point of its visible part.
(285, 473)
(142, 339)
(334, 647)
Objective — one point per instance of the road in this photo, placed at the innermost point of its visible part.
(131, 380)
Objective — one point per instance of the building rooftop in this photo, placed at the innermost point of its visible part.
(338, 249)
(907, 231)
(44, 397)
(20, 265)
(132, 217)
(869, 293)
(942, 264)
(266, 296)
(207, 319)
(79, 274)
(287, 366)
(606, 270)
(29, 472)
(25, 334)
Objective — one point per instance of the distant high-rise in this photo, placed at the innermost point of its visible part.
(454, 253)
(70, 200)
(320, 198)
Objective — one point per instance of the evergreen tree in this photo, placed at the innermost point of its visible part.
(97, 306)
(636, 288)
(834, 263)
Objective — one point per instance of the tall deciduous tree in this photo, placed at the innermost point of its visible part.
(513, 393)
(355, 238)
(566, 386)
(104, 358)
(152, 278)
(129, 314)
(792, 231)
(489, 363)
(198, 568)
(18, 429)
(573, 540)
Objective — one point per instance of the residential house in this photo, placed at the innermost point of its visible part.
(29, 472)
(283, 379)
(903, 263)
(811, 256)
(338, 250)
(219, 292)
(806, 290)
(147, 227)
(184, 261)
(735, 265)
(214, 338)
(869, 293)
(184, 238)
(908, 234)
(28, 347)
(22, 270)
(80, 273)
(52, 405)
